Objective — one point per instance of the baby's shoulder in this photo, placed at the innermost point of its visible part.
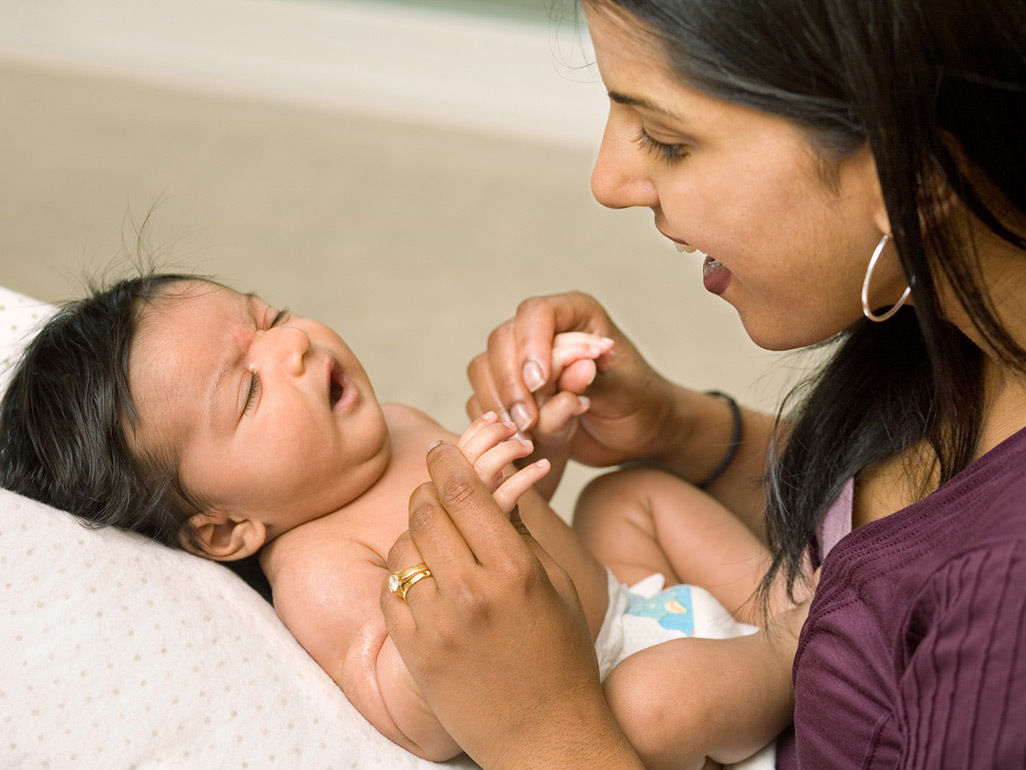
(325, 556)
(406, 415)
(405, 421)
(326, 589)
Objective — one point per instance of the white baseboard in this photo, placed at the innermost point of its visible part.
(512, 77)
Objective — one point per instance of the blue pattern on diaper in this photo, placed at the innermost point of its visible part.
(671, 608)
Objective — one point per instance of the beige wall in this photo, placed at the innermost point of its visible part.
(413, 239)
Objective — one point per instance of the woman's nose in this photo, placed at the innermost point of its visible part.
(620, 178)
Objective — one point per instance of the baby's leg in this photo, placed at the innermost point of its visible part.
(695, 703)
(640, 521)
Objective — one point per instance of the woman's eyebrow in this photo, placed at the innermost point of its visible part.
(645, 104)
(230, 360)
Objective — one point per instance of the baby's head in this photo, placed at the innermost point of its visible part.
(173, 406)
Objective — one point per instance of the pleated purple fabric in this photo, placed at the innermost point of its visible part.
(914, 653)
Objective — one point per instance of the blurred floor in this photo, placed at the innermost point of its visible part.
(413, 242)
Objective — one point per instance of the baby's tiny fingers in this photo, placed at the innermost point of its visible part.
(594, 343)
(491, 464)
(475, 444)
(556, 415)
(513, 488)
(481, 421)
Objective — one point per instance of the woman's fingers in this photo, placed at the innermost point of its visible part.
(519, 359)
(498, 377)
(403, 554)
(515, 678)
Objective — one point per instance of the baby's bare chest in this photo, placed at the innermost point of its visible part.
(380, 515)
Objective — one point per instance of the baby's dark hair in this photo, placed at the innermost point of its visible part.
(67, 417)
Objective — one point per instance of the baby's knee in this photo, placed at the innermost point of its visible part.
(615, 493)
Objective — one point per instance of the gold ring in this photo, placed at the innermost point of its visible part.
(400, 582)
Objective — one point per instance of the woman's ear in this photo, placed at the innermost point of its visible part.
(859, 172)
(221, 537)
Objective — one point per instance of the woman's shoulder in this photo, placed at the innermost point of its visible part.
(978, 514)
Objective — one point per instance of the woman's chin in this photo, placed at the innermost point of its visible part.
(785, 334)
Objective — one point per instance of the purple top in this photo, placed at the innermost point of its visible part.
(914, 652)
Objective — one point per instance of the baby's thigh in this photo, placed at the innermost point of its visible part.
(643, 516)
(654, 699)
(650, 501)
(631, 495)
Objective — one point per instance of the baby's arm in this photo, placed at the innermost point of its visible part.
(330, 603)
(688, 701)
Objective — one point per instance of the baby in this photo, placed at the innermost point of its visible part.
(208, 419)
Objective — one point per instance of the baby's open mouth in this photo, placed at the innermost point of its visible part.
(336, 388)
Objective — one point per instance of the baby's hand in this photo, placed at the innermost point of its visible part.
(491, 447)
(574, 366)
(575, 359)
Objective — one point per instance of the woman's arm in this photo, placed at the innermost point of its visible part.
(634, 415)
(504, 616)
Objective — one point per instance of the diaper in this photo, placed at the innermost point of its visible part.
(647, 613)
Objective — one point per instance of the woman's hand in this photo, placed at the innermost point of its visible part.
(496, 640)
(630, 403)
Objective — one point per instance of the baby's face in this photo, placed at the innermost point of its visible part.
(269, 414)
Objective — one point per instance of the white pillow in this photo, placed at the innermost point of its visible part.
(121, 653)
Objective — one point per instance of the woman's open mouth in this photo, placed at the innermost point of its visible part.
(715, 276)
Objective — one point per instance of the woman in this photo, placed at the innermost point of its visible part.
(855, 171)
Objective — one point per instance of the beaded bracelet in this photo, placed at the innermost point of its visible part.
(735, 441)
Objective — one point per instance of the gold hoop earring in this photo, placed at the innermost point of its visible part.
(867, 311)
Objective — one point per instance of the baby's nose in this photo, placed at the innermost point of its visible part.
(289, 346)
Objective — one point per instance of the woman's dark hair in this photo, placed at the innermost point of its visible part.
(67, 416)
(937, 91)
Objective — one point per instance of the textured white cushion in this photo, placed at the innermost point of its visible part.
(121, 653)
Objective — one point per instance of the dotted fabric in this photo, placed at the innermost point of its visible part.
(121, 653)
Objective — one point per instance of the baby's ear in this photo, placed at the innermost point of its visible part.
(221, 537)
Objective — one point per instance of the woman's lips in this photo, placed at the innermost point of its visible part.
(682, 246)
(715, 277)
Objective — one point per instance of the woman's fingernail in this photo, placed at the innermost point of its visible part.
(521, 416)
(533, 377)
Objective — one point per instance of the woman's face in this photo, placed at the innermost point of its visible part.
(786, 246)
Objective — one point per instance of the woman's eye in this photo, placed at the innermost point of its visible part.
(254, 389)
(668, 153)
